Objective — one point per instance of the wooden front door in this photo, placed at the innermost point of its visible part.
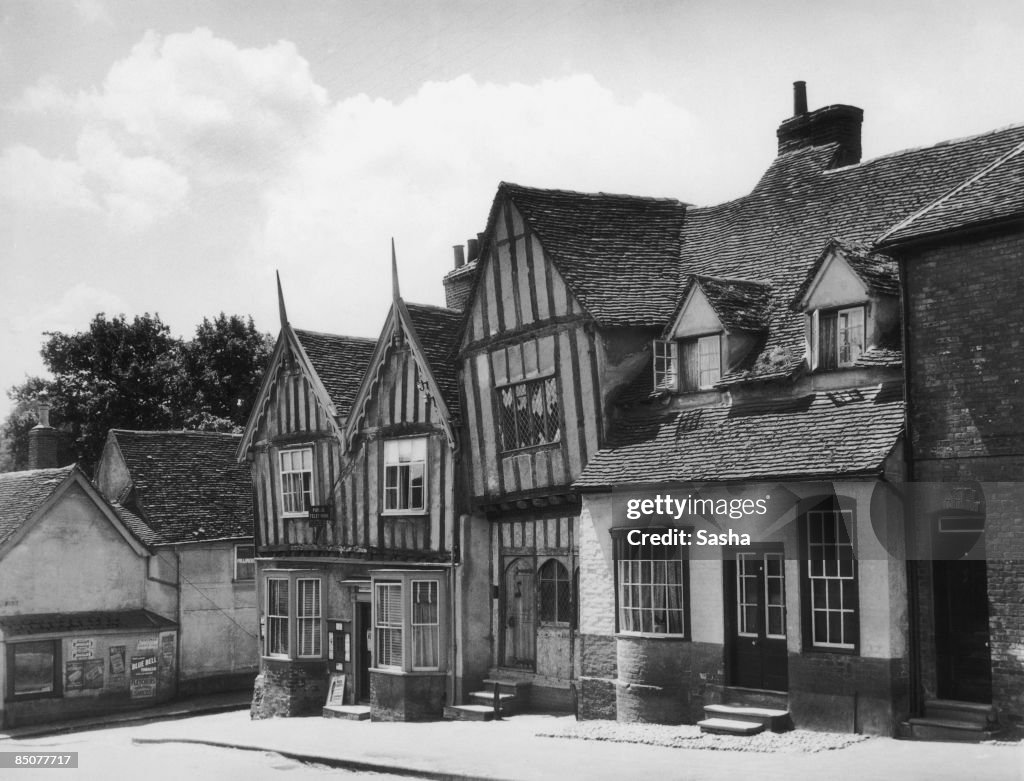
(963, 659)
(755, 589)
(520, 615)
(363, 641)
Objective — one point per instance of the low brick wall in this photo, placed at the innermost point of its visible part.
(289, 688)
(410, 697)
(664, 681)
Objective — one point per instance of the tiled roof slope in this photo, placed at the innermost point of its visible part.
(340, 362)
(819, 435)
(995, 194)
(52, 623)
(740, 304)
(438, 332)
(777, 232)
(21, 493)
(618, 253)
(187, 485)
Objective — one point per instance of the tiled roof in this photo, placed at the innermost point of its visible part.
(822, 434)
(777, 232)
(739, 303)
(878, 272)
(187, 485)
(339, 362)
(54, 623)
(21, 493)
(618, 253)
(438, 332)
(880, 356)
(135, 524)
(995, 194)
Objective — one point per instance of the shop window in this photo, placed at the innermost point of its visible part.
(33, 669)
(529, 414)
(555, 593)
(405, 465)
(245, 562)
(830, 594)
(293, 616)
(408, 610)
(296, 481)
(652, 585)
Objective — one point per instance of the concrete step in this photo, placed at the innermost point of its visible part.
(730, 727)
(755, 698)
(350, 712)
(982, 714)
(468, 712)
(508, 685)
(508, 701)
(925, 728)
(772, 719)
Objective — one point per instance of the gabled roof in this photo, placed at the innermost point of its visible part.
(339, 362)
(878, 272)
(842, 433)
(740, 304)
(993, 195)
(22, 493)
(617, 253)
(185, 485)
(438, 332)
(776, 232)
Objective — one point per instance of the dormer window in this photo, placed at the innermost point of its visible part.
(665, 365)
(841, 337)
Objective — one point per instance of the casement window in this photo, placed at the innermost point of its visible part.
(277, 633)
(700, 362)
(293, 616)
(408, 610)
(652, 587)
(405, 466)
(33, 669)
(830, 595)
(296, 481)
(840, 337)
(665, 365)
(529, 414)
(245, 562)
(556, 601)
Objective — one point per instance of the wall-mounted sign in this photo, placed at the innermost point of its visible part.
(320, 512)
(83, 647)
(143, 676)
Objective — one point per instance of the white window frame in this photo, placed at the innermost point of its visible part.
(395, 624)
(424, 627)
(299, 643)
(643, 584)
(709, 361)
(387, 625)
(289, 469)
(394, 478)
(832, 579)
(313, 617)
(855, 349)
(666, 365)
(277, 619)
(245, 561)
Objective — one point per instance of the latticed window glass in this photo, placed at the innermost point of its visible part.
(387, 613)
(296, 481)
(832, 576)
(308, 610)
(404, 474)
(277, 617)
(529, 413)
(665, 369)
(652, 583)
(426, 630)
(555, 593)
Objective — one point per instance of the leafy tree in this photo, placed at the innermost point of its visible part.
(122, 373)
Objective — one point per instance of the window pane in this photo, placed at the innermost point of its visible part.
(34, 665)
(650, 587)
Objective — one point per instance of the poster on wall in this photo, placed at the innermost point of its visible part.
(143, 676)
(92, 674)
(117, 667)
(82, 648)
(74, 676)
(147, 645)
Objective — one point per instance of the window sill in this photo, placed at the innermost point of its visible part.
(651, 636)
(529, 449)
(405, 673)
(401, 513)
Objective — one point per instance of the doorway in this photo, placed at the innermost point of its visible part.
(963, 659)
(363, 642)
(755, 603)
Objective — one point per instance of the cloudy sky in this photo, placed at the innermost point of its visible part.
(168, 157)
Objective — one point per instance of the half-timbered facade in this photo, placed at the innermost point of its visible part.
(353, 445)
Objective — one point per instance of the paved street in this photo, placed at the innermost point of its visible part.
(509, 749)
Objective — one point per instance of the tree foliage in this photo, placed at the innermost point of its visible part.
(135, 374)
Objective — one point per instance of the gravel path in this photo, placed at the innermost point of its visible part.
(689, 736)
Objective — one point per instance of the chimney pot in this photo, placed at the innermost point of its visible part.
(42, 441)
(472, 250)
(799, 98)
(460, 256)
(43, 412)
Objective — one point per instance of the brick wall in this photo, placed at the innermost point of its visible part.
(966, 365)
(288, 688)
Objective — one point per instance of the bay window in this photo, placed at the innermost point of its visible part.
(293, 613)
(652, 586)
(408, 620)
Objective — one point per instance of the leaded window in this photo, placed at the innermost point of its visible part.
(555, 593)
(529, 413)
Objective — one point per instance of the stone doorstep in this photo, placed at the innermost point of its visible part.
(975, 712)
(511, 685)
(924, 728)
(468, 712)
(770, 718)
(730, 727)
(350, 712)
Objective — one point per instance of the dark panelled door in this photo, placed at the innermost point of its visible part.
(961, 631)
(756, 598)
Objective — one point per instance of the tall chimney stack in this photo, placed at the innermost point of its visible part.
(799, 98)
(838, 124)
(460, 255)
(42, 441)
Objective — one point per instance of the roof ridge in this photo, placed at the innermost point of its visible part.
(173, 431)
(437, 307)
(368, 339)
(718, 278)
(591, 194)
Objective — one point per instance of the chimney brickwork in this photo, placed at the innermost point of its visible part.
(42, 442)
(838, 124)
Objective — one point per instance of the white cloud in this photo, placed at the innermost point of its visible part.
(73, 311)
(92, 12)
(28, 178)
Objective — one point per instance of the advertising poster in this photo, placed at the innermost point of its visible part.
(92, 674)
(74, 676)
(117, 667)
(143, 676)
(83, 648)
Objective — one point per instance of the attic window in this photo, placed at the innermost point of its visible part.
(665, 365)
(701, 362)
(840, 337)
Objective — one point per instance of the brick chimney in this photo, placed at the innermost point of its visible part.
(458, 283)
(42, 441)
(837, 124)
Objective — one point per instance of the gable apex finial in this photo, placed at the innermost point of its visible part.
(281, 311)
(395, 294)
